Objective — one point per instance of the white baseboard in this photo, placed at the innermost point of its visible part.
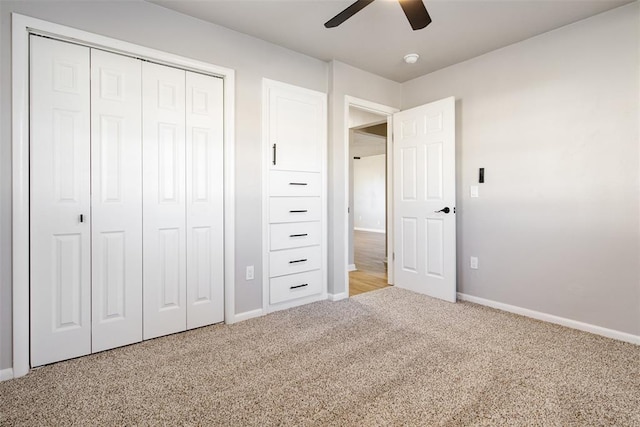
(6, 374)
(351, 267)
(586, 327)
(337, 297)
(247, 315)
(371, 230)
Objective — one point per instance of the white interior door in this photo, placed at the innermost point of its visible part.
(116, 199)
(164, 216)
(205, 200)
(424, 194)
(59, 196)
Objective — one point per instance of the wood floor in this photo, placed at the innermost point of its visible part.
(371, 273)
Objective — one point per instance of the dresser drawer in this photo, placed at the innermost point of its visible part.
(294, 184)
(293, 209)
(291, 261)
(294, 286)
(294, 235)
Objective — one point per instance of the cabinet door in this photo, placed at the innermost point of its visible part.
(297, 127)
(59, 195)
(116, 199)
(205, 200)
(164, 218)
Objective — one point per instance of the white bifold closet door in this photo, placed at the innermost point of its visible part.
(60, 201)
(116, 200)
(126, 193)
(164, 247)
(205, 200)
(183, 200)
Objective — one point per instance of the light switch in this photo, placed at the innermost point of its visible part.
(473, 191)
(473, 262)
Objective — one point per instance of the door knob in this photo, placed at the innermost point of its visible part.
(445, 210)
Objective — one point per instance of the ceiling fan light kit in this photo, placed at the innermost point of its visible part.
(414, 10)
(411, 58)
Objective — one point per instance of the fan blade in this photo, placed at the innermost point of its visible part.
(347, 13)
(416, 13)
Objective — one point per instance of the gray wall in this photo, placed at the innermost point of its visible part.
(153, 26)
(554, 122)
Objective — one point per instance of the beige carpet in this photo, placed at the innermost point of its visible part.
(388, 357)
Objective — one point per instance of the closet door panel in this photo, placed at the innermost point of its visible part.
(164, 218)
(297, 129)
(204, 198)
(59, 195)
(116, 181)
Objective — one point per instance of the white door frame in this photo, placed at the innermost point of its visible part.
(22, 27)
(383, 110)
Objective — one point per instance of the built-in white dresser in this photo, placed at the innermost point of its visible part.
(295, 267)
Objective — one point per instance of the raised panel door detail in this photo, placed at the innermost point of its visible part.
(65, 76)
(65, 130)
(408, 236)
(169, 265)
(111, 83)
(60, 264)
(111, 158)
(408, 128)
(201, 253)
(113, 279)
(435, 244)
(200, 165)
(116, 177)
(433, 172)
(168, 96)
(67, 281)
(409, 177)
(169, 166)
(433, 123)
(199, 101)
(205, 204)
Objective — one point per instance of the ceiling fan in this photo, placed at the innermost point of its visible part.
(415, 11)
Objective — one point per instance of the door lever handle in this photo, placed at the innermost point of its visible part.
(445, 210)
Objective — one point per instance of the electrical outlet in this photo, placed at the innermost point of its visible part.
(473, 262)
(249, 275)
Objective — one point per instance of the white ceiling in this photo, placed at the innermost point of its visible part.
(377, 38)
(363, 144)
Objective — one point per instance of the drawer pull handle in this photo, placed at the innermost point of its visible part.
(298, 235)
(297, 260)
(274, 154)
(299, 211)
(299, 286)
(297, 183)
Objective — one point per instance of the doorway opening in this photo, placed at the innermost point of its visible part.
(368, 172)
